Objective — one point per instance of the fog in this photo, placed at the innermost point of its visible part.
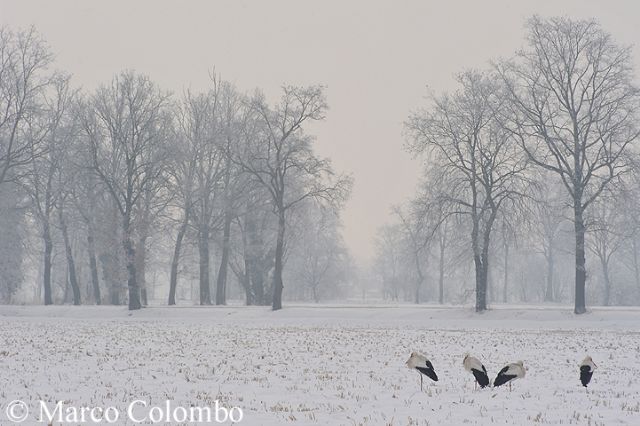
(375, 75)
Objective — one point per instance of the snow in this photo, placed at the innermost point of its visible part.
(326, 365)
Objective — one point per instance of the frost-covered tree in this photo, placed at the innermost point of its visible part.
(13, 208)
(477, 168)
(24, 78)
(280, 157)
(123, 122)
(575, 110)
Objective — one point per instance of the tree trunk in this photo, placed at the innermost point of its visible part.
(93, 264)
(221, 283)
(246, 282)
(175, 260)
(481, 283)
(65, 294)
(420, 278)
(490, 292)
(203, 247)
(506, 272)
(130, 254)
(111, 257)
(548, 294)
(480, 259)
(48, 250)
(71, 265)
(441, 274)
(141, 263)
(245, 277)
(636, 263)
(257, 283)
(277, 275)
(607, 282)
(581, 273)
(482, 267)
(109, 263)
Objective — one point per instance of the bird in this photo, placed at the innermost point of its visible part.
(508, 373)
(420, 363)
(586, 370)
(473, 365)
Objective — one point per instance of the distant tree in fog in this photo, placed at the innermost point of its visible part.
(606, 236)
(317, 258)
(51, 131)
(477, 168)
(279, 155)
(418, 227)
(389, 260)
(12, 240)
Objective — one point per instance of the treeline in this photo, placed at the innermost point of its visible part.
(101, 189)
(529, 166)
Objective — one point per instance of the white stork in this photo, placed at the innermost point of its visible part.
(586, 370)
(474, 366)
(508, 373)
(422, 365)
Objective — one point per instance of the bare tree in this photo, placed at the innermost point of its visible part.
(84, 196)
(13, 242)
(62, 136)
(24, 78)
(388, 260)
(478, 169)
(607, 236)
(200, 125)
(47, 133)
(418, 226)
(122, 122)
(233, 116)
(548, 218)
(575, 112)
(280, 157)
(317, 259)
(180, 183)
(257, 227)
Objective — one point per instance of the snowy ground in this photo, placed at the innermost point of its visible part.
(327, 365)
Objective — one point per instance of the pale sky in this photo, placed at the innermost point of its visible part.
(378, 60)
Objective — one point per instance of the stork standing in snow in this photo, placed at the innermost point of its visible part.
(586, 370)
(508, 373)
(420, 363)
(474, 366)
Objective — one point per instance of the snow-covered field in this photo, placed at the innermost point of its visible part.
(324, 365)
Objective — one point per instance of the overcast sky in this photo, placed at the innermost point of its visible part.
(378, 60)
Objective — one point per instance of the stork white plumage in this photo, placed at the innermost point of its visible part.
(509, 373)
(586, 370)
(474, 366)
(422, 365)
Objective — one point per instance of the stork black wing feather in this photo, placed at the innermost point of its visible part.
(585, 375)
(503, 378)
(429, 372)
(481, 377)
